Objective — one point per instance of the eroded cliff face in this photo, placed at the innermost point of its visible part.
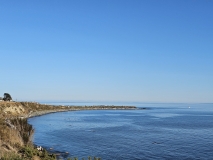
(15, 132)
(13, 109)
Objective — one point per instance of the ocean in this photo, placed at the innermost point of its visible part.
(162, 131)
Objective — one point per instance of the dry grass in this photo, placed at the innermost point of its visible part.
(13, 139)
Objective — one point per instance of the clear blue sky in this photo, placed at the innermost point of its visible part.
(107, 50)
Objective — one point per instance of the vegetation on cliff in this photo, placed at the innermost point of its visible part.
(16, 133)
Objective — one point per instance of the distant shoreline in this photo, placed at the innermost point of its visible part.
(82, 108)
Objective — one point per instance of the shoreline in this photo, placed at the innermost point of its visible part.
(41, 113)
(14, 117)
(81, 108)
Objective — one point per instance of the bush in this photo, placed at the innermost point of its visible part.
(29, 152)
(11, 156)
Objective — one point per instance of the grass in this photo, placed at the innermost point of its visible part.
(11, 156)
(29, 152)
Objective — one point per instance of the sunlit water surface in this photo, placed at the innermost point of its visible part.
(163, 131)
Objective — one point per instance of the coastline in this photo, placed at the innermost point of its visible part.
(14, 116)
(81, 108)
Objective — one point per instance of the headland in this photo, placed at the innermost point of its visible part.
(16, 133)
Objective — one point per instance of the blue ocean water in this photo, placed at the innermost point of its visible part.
(162, 131)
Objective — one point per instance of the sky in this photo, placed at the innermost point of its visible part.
(108, 50)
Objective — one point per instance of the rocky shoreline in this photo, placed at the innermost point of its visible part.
(40, 113)
(81, 108)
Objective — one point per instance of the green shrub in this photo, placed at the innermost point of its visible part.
(11, 156)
